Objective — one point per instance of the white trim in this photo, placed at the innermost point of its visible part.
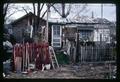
(56, 37)
(52, 36)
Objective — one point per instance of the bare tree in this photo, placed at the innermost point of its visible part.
(79, 9)
(36, 8)
(38, 11)
(5, 9)
(9, 9)
(62, 9)
(70, 10)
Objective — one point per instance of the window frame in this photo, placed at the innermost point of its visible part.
(54, 37)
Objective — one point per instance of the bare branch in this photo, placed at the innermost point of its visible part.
(41, 7)
(63, 10)
(57, 11)
(5, 9)
(38, 9)
(34, 8)
(7, 17)
(25, 10)
(83, 8)
(46, 11)
(10, 15)
(43, 14)
(68, 12)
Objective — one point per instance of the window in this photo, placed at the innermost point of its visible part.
(85, 34)
(56, 36)
(56, 30)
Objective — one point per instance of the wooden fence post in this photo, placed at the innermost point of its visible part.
(77, 48)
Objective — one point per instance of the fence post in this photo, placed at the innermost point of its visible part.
(77, 48)
(92, 52)
(80, 52)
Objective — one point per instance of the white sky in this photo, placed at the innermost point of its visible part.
(109, 12)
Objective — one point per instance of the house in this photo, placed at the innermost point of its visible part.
(89, 29)
(23, 24)
(70, 35)
(60, 30)
(103, 30)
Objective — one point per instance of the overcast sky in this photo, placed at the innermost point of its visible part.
(109, 12)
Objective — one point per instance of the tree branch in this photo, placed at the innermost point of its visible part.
(82, 9)
(12, 14)
(25, 10)
(46, 11)
(38, 6)
(41, 7)
(34, 8)
(68, 12)
(57, 10)
(5, 9)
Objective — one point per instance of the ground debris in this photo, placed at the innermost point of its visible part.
(68, 72)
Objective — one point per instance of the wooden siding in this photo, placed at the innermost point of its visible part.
(20, 26)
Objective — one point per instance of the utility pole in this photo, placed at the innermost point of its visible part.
(48, 10)
(92, 15)
(101, 10)
(101, 37)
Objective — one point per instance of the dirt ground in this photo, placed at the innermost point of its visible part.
(86, 71)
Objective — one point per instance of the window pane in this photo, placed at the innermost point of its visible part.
(56, 44)
(54, 27)
(56, 30)
(84, 34)
(56, 40)
(56, 34)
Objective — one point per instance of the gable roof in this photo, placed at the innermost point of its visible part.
(101, 20)
(25, 16)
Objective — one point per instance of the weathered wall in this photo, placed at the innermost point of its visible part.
(20, 26)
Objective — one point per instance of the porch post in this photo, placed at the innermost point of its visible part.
(77, 47)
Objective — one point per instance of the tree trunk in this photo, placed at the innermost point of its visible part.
(34, 26)
(38, 15)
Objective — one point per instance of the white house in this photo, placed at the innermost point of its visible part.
(92, 29)
(102, 30)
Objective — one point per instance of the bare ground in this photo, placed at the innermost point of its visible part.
(88, 71)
